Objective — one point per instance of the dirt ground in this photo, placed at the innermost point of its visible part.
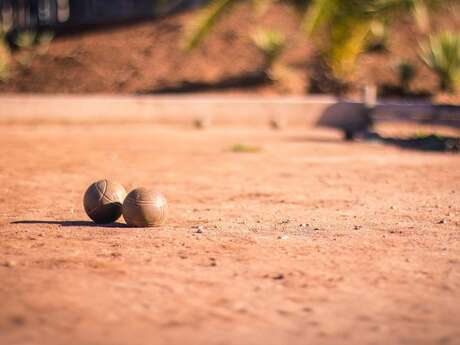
(309, 240)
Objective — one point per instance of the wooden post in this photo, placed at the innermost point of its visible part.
(370, 96)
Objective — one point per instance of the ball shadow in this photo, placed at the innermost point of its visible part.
(67, 223)
(313, 139)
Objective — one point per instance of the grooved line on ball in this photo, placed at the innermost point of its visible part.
(101, 197)
(141, 202)
(106, 197)
(162, 215)
(134, 203)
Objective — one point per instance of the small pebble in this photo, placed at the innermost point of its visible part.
(240, 307)
(213, 262)
(202, 123)
(283, 237)
(8, 263)
(278, 276)
(442, 221)
(199, 227)
(277, 124)
(18, 320)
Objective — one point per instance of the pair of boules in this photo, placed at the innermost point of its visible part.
(105, 201)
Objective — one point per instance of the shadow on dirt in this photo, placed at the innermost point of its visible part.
(245, 80)
(432, 142)
(389, 90)
(71, 223)
(313, 139)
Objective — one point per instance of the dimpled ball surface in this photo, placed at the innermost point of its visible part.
(145, 208)
(103, 201)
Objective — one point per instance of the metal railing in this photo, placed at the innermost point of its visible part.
(32, 14)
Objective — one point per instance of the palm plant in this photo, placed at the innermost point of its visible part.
(206, 21)
(339, 28)
(406, 72)
(442, 54)
(270, 43)
(32, 44)
(348, 23)
(377, 37)
(4, 58)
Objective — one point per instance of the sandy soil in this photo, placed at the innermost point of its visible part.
(308, 241)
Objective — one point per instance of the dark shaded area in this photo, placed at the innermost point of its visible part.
(348, 117)
(85, 16)
(246, 80)
(389, 90)
(423, 143)
(322, 80)
(71, 223)
(313, 139)
(34, 14)
(78, 30)
(377, 46)
(104, 214)
(433, 143)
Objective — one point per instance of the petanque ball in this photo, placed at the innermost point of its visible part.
(103, 201)
(145, 208)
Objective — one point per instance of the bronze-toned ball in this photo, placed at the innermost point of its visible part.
(103, 201)
(145, 208)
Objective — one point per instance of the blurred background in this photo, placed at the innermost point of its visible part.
(408, 49)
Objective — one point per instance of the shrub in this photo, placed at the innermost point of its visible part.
(4, 58)
(406, 72)
(340, 29)
(270, 43)
(442, 54)
(243, 148)
(377, 40)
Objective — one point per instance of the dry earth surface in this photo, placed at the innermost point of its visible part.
(309, 240)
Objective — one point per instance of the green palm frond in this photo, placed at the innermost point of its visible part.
(206, 21)
(208, 17)
(4, 58)
(261, 6)
(26, 39)
(420, 9)
(318, 14)
(346, 25)
(421, 16)
(339, 28)
(442, 54)
(347, 42)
